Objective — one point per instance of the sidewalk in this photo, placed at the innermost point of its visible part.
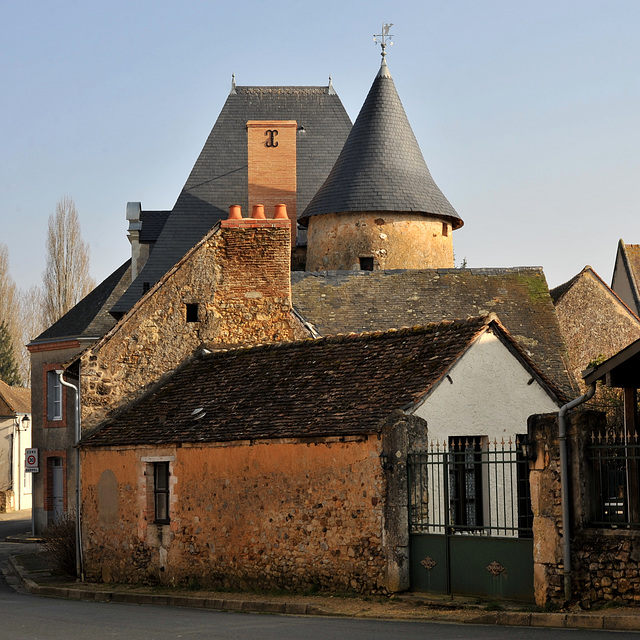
(39, 577)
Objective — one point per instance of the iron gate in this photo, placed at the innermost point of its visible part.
(470, 519)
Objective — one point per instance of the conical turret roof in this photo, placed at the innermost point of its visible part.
(381, 167)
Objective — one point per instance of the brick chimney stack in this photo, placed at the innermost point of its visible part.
(271, 146)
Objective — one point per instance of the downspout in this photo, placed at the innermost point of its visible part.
(79, 569)
(564, 480)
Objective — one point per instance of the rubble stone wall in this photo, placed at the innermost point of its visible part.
(594, 323)
(605, 563)
(239, 278)
(292, 515)
(393, 240)
(607, 567)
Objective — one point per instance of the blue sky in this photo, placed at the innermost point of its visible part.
(528, 114)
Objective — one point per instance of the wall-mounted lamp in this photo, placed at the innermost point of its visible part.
(529, 449)
(384, 460)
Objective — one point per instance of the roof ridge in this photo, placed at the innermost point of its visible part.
(207, 350)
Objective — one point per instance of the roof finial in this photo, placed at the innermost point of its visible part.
(330, 90)
(385, 37)
(233, 83)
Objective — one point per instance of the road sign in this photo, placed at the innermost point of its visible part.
(31, 461)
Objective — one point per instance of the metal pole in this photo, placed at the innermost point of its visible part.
(564, 480)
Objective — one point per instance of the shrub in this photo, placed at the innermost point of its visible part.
(60, 543)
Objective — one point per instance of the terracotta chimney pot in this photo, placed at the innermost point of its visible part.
(235, 212)
(281, 212)
(258, 212)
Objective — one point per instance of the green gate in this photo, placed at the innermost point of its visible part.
(470, 519)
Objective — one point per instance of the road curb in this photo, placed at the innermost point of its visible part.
(193, 602)
(499, 618)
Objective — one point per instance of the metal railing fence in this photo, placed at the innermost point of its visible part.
(613, 459)
(470, 486)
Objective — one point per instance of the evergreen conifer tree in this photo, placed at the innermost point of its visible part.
(8, 367)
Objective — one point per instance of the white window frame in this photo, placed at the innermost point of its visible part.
(54, 396)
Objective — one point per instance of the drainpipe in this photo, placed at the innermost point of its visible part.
(79, 569)
(564, 479)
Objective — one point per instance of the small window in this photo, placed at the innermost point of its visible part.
(366, 264)
(54, 396)
(445, 229)
(161, 491)
(192, 312)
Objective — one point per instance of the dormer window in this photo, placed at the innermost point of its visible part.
(192, 312)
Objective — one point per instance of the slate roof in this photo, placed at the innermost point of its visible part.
(219, 177)
(152, 224)
(345, 301)
(381, 167)
(90, 318)
(630, 254)
(17, 399)
(334, 386)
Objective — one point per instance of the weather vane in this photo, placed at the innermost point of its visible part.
(385, 38)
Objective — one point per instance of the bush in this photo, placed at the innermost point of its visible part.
(60, 543)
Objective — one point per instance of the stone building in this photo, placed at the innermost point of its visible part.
(199, 280)
(285, 465)
(15, 437)
(594, 321)
(379, 208)
(160, 239)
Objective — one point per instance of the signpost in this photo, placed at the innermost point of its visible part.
(31, 461)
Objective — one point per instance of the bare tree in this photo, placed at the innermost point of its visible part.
(10, 306)
(32, 325)
(66, 278)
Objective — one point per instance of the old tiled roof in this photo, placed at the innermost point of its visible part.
(334, 386)
(219, 177)
(381, 167)
(17, 399)
(340, 302)
(558, 292)
(90, 318)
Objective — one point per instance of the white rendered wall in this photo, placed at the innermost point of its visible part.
(488, 395)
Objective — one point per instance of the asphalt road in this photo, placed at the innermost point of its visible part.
(23, 616)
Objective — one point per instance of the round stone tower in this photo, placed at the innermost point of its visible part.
(379, 208)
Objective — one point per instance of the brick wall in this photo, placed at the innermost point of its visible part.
(290, 515)
(271, 146)
(239, 278)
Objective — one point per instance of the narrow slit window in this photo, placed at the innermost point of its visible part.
(366, 264)
(445, 229)
(161, 491)
(192, 312)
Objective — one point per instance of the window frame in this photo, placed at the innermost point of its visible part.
(51, 420)
(161, 492)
